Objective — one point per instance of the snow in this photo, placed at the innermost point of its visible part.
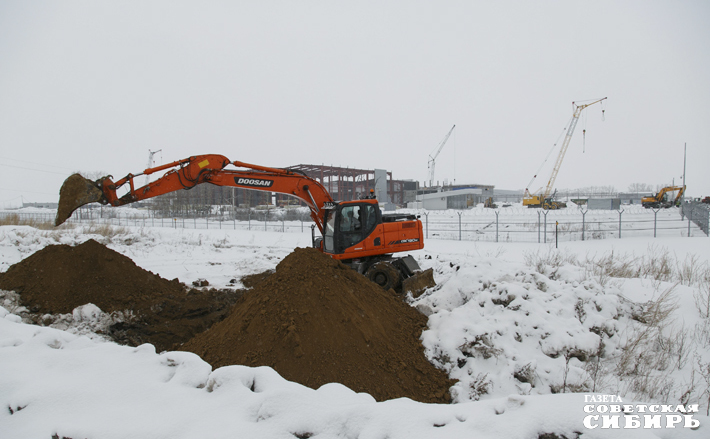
(500, 311)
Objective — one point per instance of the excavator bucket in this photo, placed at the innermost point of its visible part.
(418, 283)
(75, 192)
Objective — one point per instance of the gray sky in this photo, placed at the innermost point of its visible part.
(92, 86)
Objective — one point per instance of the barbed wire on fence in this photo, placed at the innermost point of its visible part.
(544, 227)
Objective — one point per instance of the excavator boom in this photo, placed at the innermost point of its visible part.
(188, 173)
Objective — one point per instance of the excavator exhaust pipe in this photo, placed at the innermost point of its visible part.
(75, 192)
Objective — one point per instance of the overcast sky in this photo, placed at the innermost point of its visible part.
(92, 86)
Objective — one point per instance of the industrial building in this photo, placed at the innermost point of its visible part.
(451, 197)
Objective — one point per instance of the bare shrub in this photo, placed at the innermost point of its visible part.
(657, 264)
(701, 295)
(611, 266)
(597, 369)
(549, 261)
(691, 271)
(525, 374)
(479, 386)
(704, 369)
(648, 356)
(105, 230)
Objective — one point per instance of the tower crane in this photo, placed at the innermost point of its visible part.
(435, 154)
(545, 200)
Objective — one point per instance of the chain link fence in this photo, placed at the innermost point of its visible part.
(521, 225)
(548, 226)
(698, 213)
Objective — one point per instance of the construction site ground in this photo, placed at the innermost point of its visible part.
(313, 320)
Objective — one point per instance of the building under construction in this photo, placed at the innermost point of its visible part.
(346, 184)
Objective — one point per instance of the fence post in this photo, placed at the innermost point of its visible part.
(655, 220)
(689, 219)
(426, 218)
(496, 212)
(556, 224)
(459, 214)
(584, 213)
(620, 212)
(538, 226)
(544, 213)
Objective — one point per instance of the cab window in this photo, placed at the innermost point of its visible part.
(329, 233)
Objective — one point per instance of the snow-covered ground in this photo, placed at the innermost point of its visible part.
(520, 325)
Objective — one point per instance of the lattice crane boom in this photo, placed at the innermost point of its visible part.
(565, 144)
(432, 158)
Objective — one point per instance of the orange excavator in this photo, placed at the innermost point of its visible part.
(661, 198)
(354, 232)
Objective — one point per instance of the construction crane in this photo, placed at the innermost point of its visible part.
(432, 158)
(545, 200)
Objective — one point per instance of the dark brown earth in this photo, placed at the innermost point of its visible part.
(314, 320)
(58, 278)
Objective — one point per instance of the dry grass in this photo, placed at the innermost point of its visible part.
(655, 347)
(14, 219)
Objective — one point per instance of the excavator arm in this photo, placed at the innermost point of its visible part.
(188, 173)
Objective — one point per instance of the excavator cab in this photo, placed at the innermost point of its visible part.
(360, 236)
(349, 224)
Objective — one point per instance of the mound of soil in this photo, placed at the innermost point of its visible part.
(58, 278)
(316, 321)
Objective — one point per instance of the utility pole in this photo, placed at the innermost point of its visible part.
(685, 148)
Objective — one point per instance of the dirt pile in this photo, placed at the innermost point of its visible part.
(58, 278)
(315, 321)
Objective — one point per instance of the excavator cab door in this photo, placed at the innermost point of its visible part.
(348, 224)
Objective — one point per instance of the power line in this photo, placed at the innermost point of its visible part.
(30, 192)
(35, 163)
(32, 169)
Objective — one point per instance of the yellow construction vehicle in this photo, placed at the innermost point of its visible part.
(546, 199)
(661, 198)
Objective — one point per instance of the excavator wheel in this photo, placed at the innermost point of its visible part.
(385, 275)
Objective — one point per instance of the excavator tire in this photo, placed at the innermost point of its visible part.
(75, 192)
(385, 275)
